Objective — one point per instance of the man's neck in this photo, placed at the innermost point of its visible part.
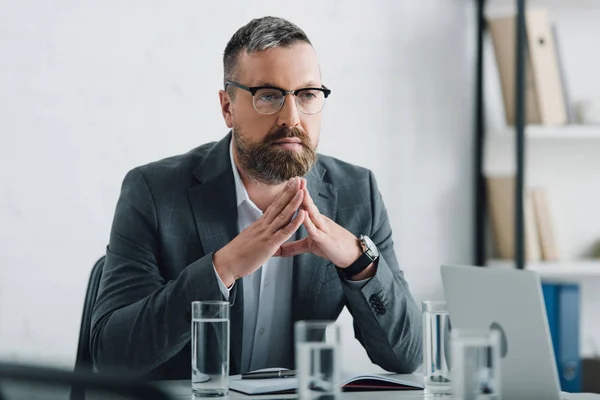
(261, 194)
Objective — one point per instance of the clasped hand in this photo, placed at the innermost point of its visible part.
(267, 237)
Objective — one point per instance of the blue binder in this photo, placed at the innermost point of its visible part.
(562, 308)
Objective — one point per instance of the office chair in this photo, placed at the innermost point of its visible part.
(31, 382)
(83, 360)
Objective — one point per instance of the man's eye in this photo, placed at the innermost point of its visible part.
(309, 95)
(269, 96)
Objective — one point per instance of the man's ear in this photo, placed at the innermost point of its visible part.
(226, 104)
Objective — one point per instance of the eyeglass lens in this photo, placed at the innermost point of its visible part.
(269, 101)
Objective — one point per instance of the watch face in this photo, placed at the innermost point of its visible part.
(371, 248)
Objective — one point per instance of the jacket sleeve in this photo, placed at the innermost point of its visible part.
(387, 320)
(140, 320)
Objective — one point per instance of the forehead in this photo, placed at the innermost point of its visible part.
(288, 67)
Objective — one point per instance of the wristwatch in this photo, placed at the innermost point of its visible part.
(370, 255)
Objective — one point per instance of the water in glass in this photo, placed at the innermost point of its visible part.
(210, 353)
(317, 363)
(436, 348)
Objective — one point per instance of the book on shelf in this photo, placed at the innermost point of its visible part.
(562, 303)
(501, 201)
(545, 224)
(545, 102)
(350, 382)
(539, 226)
(571, 118)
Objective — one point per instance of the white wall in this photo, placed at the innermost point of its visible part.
(570, 169)
(90, 89)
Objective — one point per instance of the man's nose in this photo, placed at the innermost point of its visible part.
(289, 115)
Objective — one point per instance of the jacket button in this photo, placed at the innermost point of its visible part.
(377, 304)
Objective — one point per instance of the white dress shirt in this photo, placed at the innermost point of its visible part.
(267, 297)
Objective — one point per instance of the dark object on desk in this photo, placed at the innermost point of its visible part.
(590, 371)
(53, 381)
(83, 361)
(269, 374)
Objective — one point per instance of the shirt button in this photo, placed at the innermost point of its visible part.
(267, 282)
(262, 331)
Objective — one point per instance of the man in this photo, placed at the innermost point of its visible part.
(257, 219)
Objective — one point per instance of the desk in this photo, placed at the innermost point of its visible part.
(180, 390)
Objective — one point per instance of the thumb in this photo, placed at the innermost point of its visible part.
(293, 248)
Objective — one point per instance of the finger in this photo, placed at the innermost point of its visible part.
(312, 209)
(311, 229)
(286, 215)
(288, 193)
(302, 183)
(287, 231)
(294, 248)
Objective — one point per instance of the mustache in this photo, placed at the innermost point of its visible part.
(285, 133)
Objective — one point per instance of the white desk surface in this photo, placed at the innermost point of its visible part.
(180, 390)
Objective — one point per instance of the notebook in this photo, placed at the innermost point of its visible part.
(350, 382)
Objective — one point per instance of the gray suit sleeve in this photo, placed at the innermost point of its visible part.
(140, 320)
(392, 339)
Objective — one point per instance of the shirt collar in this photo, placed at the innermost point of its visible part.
(241, 193)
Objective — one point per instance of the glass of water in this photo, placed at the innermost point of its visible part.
(210, 349)
(317, 359)
(436, 349)
(476, 365)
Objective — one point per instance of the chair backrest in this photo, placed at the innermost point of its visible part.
(83, 360)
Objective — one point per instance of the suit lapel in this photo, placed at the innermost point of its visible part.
(213, 202)
(308, 268)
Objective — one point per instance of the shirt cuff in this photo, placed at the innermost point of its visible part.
(224, 289)
(357, 284)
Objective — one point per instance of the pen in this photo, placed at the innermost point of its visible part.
(269, 374)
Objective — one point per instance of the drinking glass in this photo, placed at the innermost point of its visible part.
(210, 349)
(476, 365)
(436, 349)
(317, 359)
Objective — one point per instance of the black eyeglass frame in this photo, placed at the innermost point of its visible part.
(254, 89)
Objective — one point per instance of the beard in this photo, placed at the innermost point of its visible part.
(267, 163)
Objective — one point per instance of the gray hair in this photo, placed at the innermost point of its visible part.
(257, 35)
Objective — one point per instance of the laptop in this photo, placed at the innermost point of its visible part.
(511, 301)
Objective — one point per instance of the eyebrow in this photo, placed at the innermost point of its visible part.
(305, 85)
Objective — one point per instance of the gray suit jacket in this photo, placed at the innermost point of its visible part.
(172, 215)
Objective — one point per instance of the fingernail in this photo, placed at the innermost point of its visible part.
(291, 182)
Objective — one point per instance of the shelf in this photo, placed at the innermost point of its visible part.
(569, 270)
(563, 132)
(566, 4)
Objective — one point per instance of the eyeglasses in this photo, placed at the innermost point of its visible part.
(268, 100)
